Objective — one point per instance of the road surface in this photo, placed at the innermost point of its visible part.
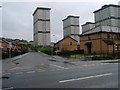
(35, 70)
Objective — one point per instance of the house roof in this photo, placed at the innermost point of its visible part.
(98, 32)
(98, 29)
(65, 38)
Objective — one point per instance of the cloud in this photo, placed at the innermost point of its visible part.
(17, 19)
(60, 11)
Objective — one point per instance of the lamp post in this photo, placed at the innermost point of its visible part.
(55, 46)
(10, 46)
(112, 38)
(52, 45)
(78, 45)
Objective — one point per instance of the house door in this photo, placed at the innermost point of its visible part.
(89, 48)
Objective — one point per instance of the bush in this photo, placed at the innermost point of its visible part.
(13, 54)
(117, 55)
(46, 50)
(102, 57)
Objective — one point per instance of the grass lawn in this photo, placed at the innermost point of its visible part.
(82, 56)
(95, 56)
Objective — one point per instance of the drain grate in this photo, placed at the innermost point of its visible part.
(5, 77)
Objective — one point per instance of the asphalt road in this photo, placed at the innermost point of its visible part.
(39, 62)
(85, 75)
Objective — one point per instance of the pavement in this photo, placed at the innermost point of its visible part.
(38, 70)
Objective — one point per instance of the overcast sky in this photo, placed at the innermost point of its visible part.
(17, 19)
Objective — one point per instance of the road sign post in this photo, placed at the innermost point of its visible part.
(10, 47)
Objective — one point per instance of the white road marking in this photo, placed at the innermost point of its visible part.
(40, 70)
(51, 70)
(104, 63)
(85, 77)
(19, 73)
(92, 64)
(85, 65)
(88, 65)
(6, 74)
(30, 72)
(42, 64)
(14, 68)
(59, 69)
(8, 88)
(70, 68)
(57, 66)
(73, 62)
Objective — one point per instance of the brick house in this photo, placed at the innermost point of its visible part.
(100, 42)
(67, 44)
(102, 36)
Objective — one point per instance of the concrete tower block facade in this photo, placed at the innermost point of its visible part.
(108, 15)
(41, 26)
(119, 3)
(71, 26)
(87, 26)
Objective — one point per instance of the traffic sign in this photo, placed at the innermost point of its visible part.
(10, 45)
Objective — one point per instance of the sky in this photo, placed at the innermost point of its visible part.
(16, 17)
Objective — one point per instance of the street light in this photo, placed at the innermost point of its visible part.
(55, 46)
(78, 45)
(52, 45)
(10, 47)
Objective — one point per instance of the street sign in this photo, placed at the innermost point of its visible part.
(10, 45)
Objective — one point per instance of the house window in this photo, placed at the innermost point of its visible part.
(117, 36)
(57, 48)
(118, 47)
(89, 37)
(108, 36)
(70, 43)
